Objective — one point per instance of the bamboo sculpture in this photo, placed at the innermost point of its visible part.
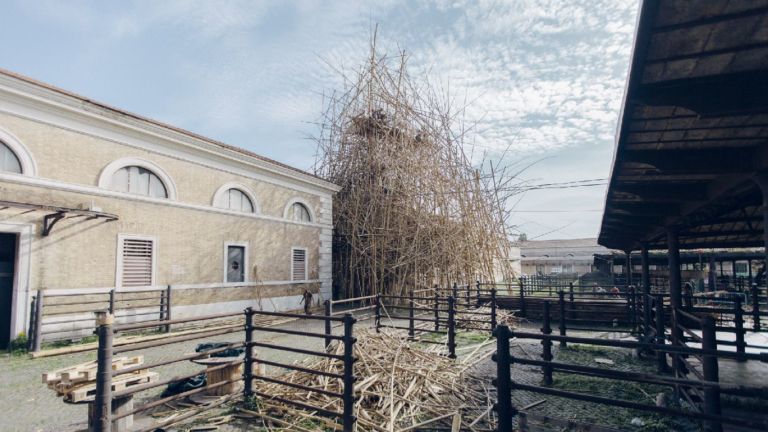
(412, 211)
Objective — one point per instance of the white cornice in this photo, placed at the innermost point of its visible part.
(52, 107)
(96, 191)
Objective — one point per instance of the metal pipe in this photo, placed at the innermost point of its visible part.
(102, 403)
(348, 396)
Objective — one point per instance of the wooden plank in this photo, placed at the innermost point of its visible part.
(88, 392)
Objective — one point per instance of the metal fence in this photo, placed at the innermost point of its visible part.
(709, 385)
(104, 414)
(67, 317)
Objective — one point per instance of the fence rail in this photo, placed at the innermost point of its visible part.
(709, 410)
(138, 306)
(105, 417)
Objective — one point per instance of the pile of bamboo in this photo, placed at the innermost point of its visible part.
(414, 209)
(401, 388)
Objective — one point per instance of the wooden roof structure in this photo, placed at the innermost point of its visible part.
(692, 142)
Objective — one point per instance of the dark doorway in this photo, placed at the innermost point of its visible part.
(7, 269)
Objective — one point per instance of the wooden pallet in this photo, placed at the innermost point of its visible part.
(87, 371)
(87, 392)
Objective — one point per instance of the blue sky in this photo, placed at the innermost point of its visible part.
(545, 75)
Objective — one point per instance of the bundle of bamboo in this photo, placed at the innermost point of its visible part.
(401, 388)
(413, 209)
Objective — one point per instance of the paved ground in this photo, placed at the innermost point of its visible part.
(39, 410)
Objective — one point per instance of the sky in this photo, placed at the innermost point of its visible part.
(542, 78)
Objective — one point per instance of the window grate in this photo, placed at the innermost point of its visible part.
(299, 265)
(137, 262)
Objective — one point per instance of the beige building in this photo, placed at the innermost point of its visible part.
(94, 198)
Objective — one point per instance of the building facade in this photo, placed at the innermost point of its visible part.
(555, 257)
(95, 198)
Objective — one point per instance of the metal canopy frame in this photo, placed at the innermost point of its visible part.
(692, 147)
(56, 214)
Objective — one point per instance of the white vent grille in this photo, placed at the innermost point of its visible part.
(299, 265)
(137, 262)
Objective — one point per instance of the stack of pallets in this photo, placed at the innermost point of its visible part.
(78, 383)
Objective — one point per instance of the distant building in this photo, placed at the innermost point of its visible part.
(550, 257)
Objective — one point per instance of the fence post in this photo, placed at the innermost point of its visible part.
(632, 308)
(31, 327)
(522, 300)
(738, 321)
(468, 295)
(561, 302)
(437, 312)
(571, 300)
(411, 332)
(646, 313)
(112, 303)
(248, 361)
(455, 291)
(494, 320)
(349, 376)
(168, 307)
(327, 320)
(755, 307)
(546, 353)
(661, 357)
(451, 327)
(503, 381)
(711, 373)
(39, 320)
(478, 293)
(102, 403)
(377, 320)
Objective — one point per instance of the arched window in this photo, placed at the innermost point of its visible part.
(299, 212)
(138, 180)
(235, 196)
(9, 162)
(139, 177)
(235, 199)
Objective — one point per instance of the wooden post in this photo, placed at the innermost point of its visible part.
(711, 373)
(561, 303)
(248, 361)
(451, 328)
(503, 381)
(328, 331)
(349, 375)
(494, 321)
(102, 403)
(738, 320)
(546, 354)
(39, 320)
(168, 307)
(377, 320)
